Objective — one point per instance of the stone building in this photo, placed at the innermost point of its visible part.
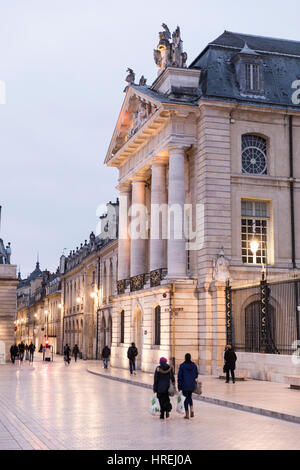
(89, 281)
(216, 145)
(38, 303)
(8, 297)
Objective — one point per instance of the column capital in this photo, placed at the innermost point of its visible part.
(138, 179)
(124, 187)
(178, 147)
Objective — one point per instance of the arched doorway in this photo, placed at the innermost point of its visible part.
(137, 334)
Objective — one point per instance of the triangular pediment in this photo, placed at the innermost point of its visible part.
(138, 107)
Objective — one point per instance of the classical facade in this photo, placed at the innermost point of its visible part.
(89, 281)
(8, 298)
(209, 181)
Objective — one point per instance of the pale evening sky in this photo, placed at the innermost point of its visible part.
(64, 64)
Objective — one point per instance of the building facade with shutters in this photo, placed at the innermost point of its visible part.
(209, 181)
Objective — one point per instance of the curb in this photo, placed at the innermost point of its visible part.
(214, 401)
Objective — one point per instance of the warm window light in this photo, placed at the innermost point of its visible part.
(59, 305)
(78, 300)
(46, 312)
(35, 315)
(93, 295)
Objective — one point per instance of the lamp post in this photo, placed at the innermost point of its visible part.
(254, 246)
(46, 315)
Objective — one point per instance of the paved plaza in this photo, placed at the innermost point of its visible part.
(53, 406)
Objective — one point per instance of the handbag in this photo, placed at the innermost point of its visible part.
(198, 388)
(172, 389)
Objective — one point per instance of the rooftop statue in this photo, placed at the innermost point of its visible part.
(169, 54)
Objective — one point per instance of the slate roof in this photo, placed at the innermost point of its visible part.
(281, 67)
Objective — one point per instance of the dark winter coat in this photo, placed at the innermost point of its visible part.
(187, 375)
(162, 377)
(76, 350)
(230, 359)
(132, 352)
(105, 352)
(31, 347)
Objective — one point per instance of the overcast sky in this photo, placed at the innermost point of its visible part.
(64, 64)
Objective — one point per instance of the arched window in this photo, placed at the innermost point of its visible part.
(157, 325)
(254, 155)
(122, 329)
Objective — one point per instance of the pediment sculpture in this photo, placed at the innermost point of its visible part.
(138, 111)
(170, 54)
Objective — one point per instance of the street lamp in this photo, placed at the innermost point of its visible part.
(254, 245)
(46, 314)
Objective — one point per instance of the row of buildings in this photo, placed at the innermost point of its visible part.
(209, 198)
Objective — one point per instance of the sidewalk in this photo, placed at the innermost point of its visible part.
(271, 399)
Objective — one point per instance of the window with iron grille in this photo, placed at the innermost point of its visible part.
(157, 325)
(255, 226)
(252, 77)
(122, 333)
(254, 155)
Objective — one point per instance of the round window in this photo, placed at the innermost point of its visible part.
(254, 155)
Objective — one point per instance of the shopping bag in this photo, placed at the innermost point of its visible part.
(198, 388)
(180, 405)
(154, 406)
(172, 389)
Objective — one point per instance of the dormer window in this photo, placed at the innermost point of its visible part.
(252, 77)
(249, 71)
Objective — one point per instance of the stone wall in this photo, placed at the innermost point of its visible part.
(8, 308)
(271, 367)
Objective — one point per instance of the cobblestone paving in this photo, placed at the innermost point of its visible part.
(53, 406)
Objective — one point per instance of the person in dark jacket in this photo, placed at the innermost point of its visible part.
(229, 365)
(105, 356)
(13, 352)
(162, 377)
(132, 354)
(67, 352)
(75, 352)
(187, 375)
(31, 351)
(21, 351)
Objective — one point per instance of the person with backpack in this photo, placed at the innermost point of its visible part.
(229, 363)
(105, 356)
(187, 375)
(163, 376)
(132, 354)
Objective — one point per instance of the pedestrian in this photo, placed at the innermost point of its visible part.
(162, 377)
(187, 375)
(105, 356)
(132, 354)
(41, 348)
(229, 363)
(13, 352)
(31, 351)
(21, 351)
(75, 352)
(67, 352)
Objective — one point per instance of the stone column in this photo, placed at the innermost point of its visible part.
(176, 242)
(138, 225)
(159, 217)
(124, 240)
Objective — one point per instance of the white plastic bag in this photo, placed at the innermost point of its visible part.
(180, 405)
(154, 406)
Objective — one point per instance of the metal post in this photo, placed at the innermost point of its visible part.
(228, 304)
(173, 323)
(264, 313)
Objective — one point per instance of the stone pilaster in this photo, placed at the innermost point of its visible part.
(124, 240)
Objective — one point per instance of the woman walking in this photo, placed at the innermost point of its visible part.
(162, 378)
(230, 360)
(187, 375)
